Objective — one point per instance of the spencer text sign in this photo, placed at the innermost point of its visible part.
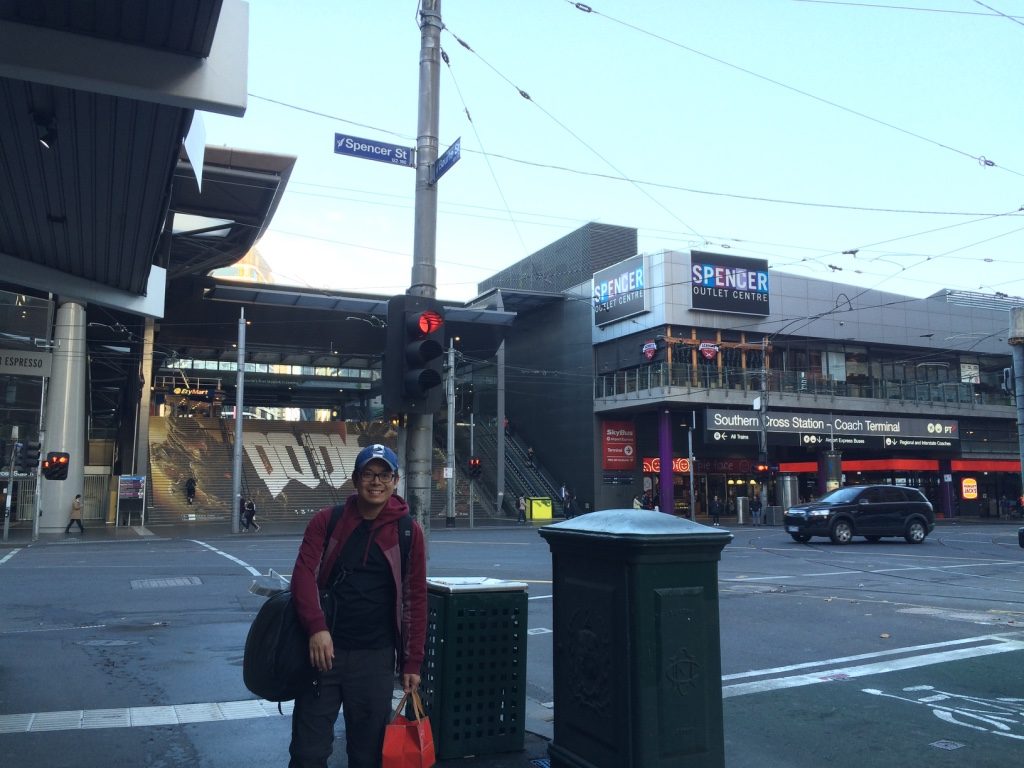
(621, 290)
(723, 283)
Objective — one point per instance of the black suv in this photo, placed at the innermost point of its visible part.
(871, 511)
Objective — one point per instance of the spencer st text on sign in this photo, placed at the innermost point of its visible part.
(729, 283)
(621, 290)
(373, 150)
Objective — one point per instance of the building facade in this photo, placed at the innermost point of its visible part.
(706, 366)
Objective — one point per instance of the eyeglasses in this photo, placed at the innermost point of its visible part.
(368, 477)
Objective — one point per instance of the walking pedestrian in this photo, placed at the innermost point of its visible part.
(380, 616)
(250, 515)
(716, 510)
(521, 507)
(190, 490)
(76, 515)
(529, 456)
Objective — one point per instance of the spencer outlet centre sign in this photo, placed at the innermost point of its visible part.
(729, 283)
(621, 290)
(830, 430)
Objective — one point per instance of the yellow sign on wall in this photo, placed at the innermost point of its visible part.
(969, 488)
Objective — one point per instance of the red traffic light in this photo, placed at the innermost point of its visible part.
(429, 321)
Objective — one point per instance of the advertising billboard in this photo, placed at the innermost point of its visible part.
(721, 283)
(621, 290)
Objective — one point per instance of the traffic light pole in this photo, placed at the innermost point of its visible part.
(420, 429)
(449, 518)
(10, 482)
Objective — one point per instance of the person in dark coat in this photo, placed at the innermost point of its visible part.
(190, 490)
(716, 510)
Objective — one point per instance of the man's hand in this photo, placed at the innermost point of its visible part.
(321, 651)
(410, 682)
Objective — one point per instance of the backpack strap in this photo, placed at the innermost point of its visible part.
(335, 516)
(405, 541)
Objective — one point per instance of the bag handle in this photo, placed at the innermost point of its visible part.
(417, 706)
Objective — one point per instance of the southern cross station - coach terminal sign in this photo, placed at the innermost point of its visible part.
(821, 429)
(373, 150)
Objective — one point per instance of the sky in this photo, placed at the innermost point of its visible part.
(876, 145)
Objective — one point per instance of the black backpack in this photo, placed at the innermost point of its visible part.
(276, 662)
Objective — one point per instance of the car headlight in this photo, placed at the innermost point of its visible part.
(818, 513)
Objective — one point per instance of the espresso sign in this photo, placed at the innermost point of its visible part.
(729, 283)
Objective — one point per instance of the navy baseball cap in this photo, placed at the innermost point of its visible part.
(376, 451)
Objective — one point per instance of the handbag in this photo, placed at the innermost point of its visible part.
(409, 743)
(275, 664)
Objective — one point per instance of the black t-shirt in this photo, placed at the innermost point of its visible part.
(365, 595)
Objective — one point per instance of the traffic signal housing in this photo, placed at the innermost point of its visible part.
(475, 467)
(414, 358)
(55, 465)
(28, 457)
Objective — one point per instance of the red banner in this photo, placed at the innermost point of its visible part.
(618, 445)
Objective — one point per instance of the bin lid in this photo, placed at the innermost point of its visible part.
(473, 584)
(638, 524)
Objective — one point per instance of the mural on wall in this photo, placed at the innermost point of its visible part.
(288, 468)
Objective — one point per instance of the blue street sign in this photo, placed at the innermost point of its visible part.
(447, 160)
(373, 150)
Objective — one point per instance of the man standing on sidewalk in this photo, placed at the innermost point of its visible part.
(380, 616)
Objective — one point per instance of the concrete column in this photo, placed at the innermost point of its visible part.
(145, 396)
(65, 414)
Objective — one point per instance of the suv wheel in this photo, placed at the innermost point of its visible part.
(916, 532)
(842, 532)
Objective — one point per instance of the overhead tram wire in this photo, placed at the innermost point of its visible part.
(980, 159)
(576, 136)
(890, 7)
(483, 151)
(806, 260)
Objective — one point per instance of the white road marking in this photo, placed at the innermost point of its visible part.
(232, 558)
(999, 645)
(136, 717)
(877, 570)
(9, 555)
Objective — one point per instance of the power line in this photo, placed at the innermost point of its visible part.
(980, 159)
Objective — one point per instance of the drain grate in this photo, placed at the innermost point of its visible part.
(946, 744)
(175, 581)
(541, 762)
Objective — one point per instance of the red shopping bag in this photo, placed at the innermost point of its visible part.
(409, 743)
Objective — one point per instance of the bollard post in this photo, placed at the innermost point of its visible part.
(637, 660)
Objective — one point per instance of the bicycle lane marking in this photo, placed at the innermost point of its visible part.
(999, 644)
(232, 558)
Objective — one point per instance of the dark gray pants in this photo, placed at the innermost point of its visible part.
(360, 682)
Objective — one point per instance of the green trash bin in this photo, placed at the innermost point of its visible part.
(636, 664)
(474, 674)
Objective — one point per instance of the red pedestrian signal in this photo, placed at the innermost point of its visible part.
(55, 465)
(475, 467)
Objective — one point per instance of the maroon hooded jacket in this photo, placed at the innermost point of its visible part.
(310, 575)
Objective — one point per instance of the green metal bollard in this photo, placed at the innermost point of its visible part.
(637, 660)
